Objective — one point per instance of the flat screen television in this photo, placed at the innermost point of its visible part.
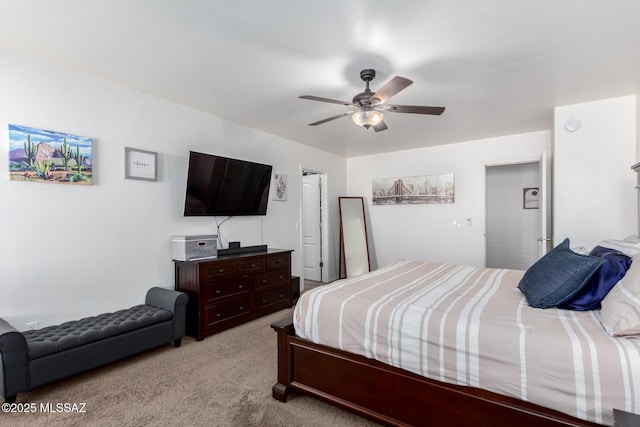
(227, 187)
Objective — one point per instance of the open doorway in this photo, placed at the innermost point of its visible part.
(516, 226)
(313, 226)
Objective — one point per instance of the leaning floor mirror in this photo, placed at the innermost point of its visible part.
(353, 237)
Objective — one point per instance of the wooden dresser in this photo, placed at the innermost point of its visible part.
(233, 289)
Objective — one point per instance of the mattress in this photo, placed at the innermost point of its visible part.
(471, 326)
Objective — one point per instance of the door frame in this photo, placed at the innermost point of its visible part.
(545, 205)
(324, 233)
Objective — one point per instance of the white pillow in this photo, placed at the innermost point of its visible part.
(630, 248)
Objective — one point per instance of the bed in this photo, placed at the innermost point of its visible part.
(418, 343)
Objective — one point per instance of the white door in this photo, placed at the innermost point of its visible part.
(545, 238)
(311, 229)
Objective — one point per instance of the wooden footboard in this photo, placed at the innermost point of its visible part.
(394, 396)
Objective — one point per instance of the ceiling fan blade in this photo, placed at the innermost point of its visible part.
(318, 98)
(328, 119)
(393, 87)
(380, 126)
(436, 111)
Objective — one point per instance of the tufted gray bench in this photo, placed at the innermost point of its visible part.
(34, 358)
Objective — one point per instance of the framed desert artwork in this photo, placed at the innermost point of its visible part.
(38, 155)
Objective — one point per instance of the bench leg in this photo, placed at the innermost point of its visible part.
(11, 399)
(177, 342)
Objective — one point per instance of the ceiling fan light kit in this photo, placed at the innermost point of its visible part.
(367, 117)
(369, 105)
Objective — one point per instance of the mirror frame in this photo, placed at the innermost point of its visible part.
(343, 255)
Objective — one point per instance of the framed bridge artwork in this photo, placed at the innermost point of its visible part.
(413, 190)
(38, 155)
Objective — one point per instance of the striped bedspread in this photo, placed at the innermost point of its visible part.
(472, 326)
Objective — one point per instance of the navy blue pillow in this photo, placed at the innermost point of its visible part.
(614, 268)
(558, 276)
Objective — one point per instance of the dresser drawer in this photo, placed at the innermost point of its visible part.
(255, 265)
(272, 300)
(218, 270)
(272, 280)
(278, 261)
(228, 309)
(225, 288)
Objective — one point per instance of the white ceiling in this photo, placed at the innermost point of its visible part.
(498, 66)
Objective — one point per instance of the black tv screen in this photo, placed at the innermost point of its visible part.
(228, 187)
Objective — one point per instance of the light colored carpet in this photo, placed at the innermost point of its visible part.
(224, 380)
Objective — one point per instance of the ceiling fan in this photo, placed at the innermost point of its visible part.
(370, 107)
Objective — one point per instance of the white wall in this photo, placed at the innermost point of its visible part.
(69, 251)
(594, 195)
(426, 231)
(637, 128)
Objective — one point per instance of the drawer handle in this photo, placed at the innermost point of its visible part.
(264, 280)
(218, 315)
(278, 261)
(241, 308)
(218, 291)
(253, 265)
(240, 286)
(282, 277)
(264, 300)
(221, 270)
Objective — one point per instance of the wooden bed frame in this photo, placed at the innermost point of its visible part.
(393, 396)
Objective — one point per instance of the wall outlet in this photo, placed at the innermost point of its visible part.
(31, 326)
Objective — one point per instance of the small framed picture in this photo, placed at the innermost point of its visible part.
(531, 198)
(280, 183)
(140, 164)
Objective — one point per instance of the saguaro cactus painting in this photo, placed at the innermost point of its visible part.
(46, 156)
